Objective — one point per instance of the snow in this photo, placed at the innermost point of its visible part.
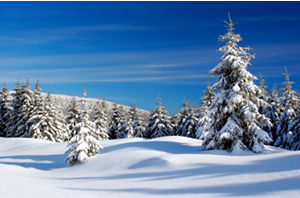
(171, 166)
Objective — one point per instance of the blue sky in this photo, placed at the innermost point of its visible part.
(130, 51)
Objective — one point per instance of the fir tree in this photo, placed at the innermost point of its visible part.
(100, 121)
(235, 119)
(206, 101)
(159, 123)
(264, 92)
(272, 111)
(116, 121)
(294, 131)
(13, 115)
(289, 98)
(174, 121)
(37, 106)
(191, 124)
(183, 114)
(289, 102)
(47, 122)
(136, 121)
(126, 130)
(4, 110)
(72, 117)
(22, 110)
(83, 144)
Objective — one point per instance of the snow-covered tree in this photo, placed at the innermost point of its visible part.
(13, 115)
(126, 130)
(294, 131)
(191, 124)
(289, 101)
(37, 106)
(23, 105)
(265, 94)
(100, 120)
(4, 109)
(174, 121)
(234, 115)
(272, 112)
(83, 144)
(47, 122)
(72, 117)
(206, 101)
(289, 98)
(136, 121)
(159, 123)
(183, 114)
(116, 121)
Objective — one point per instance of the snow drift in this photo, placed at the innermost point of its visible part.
(135, 167)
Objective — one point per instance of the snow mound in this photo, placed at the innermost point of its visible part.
(136, 167)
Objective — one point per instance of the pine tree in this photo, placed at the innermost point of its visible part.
(289, 98)
(206, 101)
(294, 130)
(235, 119)
(116, 121)
(47, 122)
(4, 110)
(37, 106)
(159, 123)
(183, 114)
(83, 144)
(174, 121)
(13, 115)
(72, 117)
(191, 124)
(126, 130)
(100, 121)
(22, 110)
(265, 94)
(272, 111)
(289, 102)
(136, 121)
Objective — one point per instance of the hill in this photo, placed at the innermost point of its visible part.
(135, 167)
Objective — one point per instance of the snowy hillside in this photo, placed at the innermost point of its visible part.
(135, 167)
(64, 101)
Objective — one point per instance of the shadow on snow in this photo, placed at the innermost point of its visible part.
(40, 162)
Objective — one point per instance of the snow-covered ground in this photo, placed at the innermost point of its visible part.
(136, 167)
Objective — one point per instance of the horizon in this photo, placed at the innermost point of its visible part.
(131, 51)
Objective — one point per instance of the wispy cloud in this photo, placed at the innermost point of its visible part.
(110, 67)
(269, 18)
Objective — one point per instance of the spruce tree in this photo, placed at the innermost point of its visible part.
(37, 106)
(83, 144)
(272, 111)
(183, 114)
(47, 122)
(116, 121)
(174, 121)
(294, 130)
(13, 117)
(100, 121)
(126, 130)
(72, 117)
(159, 123)
(4, 109)
(265, 94)
(289, 102)
(136, 121)
(234, 115)
(23, 107)
(191, 124)
(206, 101)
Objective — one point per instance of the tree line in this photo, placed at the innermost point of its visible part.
(233, 114)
